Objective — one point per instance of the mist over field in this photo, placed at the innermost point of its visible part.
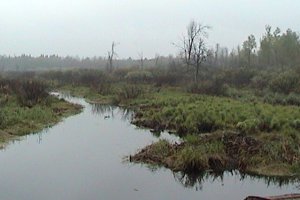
(87, 27)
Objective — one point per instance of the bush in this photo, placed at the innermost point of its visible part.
(293, 99)
(276, 98)
(139, 76)
(296, 124)
(210, 87)
(129, 92)
(120, 73)
(167, 78)
(29, 93)
(285, 83)
(104, 88)
(2, 118)
(237, 77)
(260, 81)
(87, 77)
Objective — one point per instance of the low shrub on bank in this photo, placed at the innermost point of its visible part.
(139, 76)
(285, 83)
(128, 91)
(3, 119)
(282, 99)
(87, 77)
(30, 93)
(210, 87)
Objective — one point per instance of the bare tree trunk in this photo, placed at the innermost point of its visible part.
(197, 73)
(249, 59)
(141, 55)
(111, 55)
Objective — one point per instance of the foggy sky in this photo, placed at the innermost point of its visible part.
(87, 27)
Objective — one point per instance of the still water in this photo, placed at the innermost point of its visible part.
(82, 158)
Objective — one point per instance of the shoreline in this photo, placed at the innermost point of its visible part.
(57, 111)
(260, 153)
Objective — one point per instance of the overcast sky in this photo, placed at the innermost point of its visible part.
(87, 27)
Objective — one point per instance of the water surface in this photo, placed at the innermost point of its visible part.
(83, 158)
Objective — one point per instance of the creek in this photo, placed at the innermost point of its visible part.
(83, 157)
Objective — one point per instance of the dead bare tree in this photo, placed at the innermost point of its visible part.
(194, 50)
(141, 56)
(110, 57)
(156, 58)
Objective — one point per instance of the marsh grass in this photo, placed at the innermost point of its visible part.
(20, 120)
(201, 114)
(260, 154)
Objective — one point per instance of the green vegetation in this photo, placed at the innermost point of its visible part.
(262, 136)
(260, 121)
(17, 120)
(237, 110)
(188, 113)
(26, 107)
(267, 154)
(227, 134)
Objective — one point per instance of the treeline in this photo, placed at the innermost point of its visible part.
(274, 49)
(55, 62)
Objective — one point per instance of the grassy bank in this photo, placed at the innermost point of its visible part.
(270, 155)
(221, 134)
(25, 108)
(18, 121)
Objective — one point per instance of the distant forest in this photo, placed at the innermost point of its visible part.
(275, 48)
(55, 62)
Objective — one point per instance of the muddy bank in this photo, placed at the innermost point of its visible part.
(219, 152)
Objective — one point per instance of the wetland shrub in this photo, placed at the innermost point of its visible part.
(2, 118)
(260, 81)
(285, 83)
(210, 87)
(167, 78)
(237, 77)
(139, 76)
(30, 93)
(296, 124)
(277, 98)
(129, 92)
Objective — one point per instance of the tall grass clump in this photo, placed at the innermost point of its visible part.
(127, 92)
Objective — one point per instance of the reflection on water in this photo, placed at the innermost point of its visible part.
(109, 111)
(197, 180)
(273, 180)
